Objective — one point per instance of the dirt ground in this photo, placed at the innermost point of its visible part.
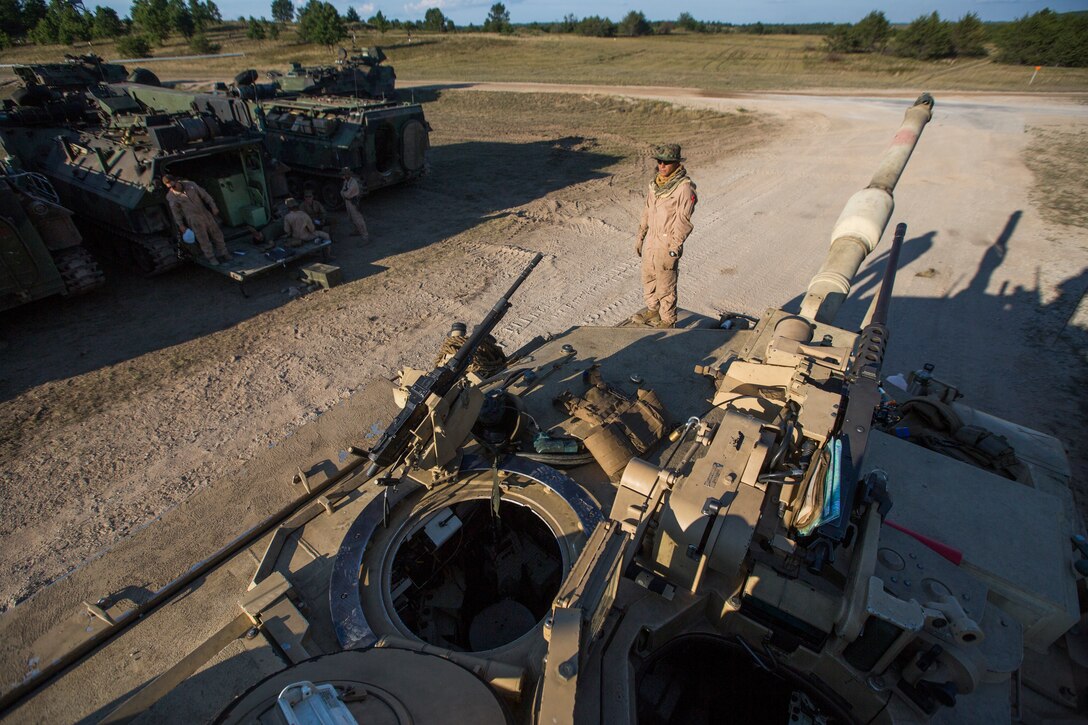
(118, 407)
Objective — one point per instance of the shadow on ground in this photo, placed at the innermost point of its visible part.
(1015, 352)
(469, 183)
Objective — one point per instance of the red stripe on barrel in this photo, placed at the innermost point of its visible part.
(905, 137)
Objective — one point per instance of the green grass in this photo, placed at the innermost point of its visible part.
(715, 63)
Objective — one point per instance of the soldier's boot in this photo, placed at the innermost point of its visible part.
(662, 324)
(645, 316)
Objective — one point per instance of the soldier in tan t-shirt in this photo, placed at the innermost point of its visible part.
(298, 226)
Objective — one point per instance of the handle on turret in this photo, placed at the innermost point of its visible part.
(864, 219)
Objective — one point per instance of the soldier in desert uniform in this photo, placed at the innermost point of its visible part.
(665, 224)
(351, 192)
(193, 208)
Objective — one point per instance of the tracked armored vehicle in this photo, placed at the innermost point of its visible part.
(383, 142)
(357, 76)
(723, 522)
(41, 251)
(77, 72)
(105, 153)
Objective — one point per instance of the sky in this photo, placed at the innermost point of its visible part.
(465, 12)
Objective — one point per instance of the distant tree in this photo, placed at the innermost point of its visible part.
(872, 32)
(273, 30)
(12, 20)
(634, 24)
(433, 19)
(255, 30)
(62, 23)
(380, 22)
(153, 19)
(204, 14)
(283, 11)
(969, 36)
(690, 24)
(352, 15)
(450, 27)
(201, 45)
(106, 23)
(319, 22)
(134, 46)
(596, 26)
(1045, 38)
(181, 19)
(498, 19)
(926, 38)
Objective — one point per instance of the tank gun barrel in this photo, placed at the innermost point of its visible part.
(863, 220)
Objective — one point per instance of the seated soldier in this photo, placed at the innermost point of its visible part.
(314, 208)
(298, 226)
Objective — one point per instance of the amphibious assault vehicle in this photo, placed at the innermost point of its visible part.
(358, 76)
(757, 527)
(383, 142)
(41, 250)
(105, 153)
(77, 72)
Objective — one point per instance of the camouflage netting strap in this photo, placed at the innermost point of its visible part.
(937, 426)
(622, 427)
(488, 359)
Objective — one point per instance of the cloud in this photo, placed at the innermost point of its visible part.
(424, 5)
(366, 9)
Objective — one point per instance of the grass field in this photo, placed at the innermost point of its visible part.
(715, 63)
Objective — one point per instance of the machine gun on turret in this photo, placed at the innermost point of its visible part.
(402, 441)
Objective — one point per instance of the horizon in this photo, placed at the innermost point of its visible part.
(771, 12)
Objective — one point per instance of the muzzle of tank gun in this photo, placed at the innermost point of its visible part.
(863, 220)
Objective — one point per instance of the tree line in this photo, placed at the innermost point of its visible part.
(1044, 38)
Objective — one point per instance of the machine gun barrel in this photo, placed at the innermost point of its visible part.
(463, 357)
(397, 437)
(863, 220)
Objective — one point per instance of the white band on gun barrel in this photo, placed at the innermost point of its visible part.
(863, 221)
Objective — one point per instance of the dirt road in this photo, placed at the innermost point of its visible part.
(119, 407)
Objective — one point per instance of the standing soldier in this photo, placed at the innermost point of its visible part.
(193, 208)
(351, 192)
(665, 224)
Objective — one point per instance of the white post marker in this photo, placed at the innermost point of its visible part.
(1034, 74)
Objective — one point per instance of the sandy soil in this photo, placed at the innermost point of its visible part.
(119, 407)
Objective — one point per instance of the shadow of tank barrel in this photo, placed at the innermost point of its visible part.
(863, 220)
